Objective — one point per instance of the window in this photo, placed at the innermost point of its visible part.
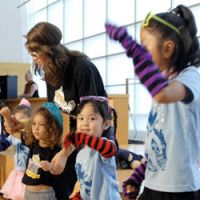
(83, 25)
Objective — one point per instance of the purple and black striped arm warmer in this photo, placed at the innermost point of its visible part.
(146, 70)
(135, 179)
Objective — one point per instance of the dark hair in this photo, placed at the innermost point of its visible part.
(106, 112)
(44, 38)
(187, 51)
(53, 130)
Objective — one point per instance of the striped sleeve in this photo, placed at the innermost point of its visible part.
(137, 176)
(104, 146)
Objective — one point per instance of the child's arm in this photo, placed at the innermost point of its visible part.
(6, 114)
(12, 125)
(131, 186)
(60, 159)
(106, 148)
(146, 70)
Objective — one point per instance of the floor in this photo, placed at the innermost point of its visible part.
(123, 174)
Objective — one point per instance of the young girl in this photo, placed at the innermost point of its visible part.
(13, 187)
(166, 65)
(95, 162)
(44, 140)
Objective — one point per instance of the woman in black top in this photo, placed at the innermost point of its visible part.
(68, 74)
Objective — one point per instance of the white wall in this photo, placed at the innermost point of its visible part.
(11, 36)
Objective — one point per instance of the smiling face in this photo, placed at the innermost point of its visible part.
(91, 122)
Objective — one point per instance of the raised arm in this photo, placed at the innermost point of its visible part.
(146, 70)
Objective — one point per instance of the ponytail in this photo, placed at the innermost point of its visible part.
(188, 32)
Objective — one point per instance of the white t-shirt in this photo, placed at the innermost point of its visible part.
(173, 141)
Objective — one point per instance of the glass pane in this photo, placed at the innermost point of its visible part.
(94, 17)
(95, 46)
(142, 100)
(121, 12)
(40, 16)
(138, 27)
(73, 18)
(184, 2)
(100, 63)
(153, 5)
(78, 46)
(42, 87)
(55, 14)
(122, 68)
(114, 47)
(137, 127)
(38, 4)
(116, 89)
(51, 1)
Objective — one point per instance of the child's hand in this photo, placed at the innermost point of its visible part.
(46, 165)
(116, 33)
(59, 160)
(6, 114)
(129, 191)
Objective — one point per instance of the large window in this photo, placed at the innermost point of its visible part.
(82, 23)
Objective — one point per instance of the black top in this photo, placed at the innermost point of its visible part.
(81, 78)
(34, 175)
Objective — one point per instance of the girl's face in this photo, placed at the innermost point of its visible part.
(152, 42)
(39, 128)
(90, 122)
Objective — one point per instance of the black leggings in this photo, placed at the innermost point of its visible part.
(149, 194)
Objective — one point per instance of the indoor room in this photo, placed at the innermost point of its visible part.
(132, 65)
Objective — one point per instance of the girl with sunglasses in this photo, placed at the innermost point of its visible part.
(95, 162)
(166, 64)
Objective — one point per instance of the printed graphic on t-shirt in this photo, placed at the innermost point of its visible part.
(60, 101)
(33, 167)
(158, 143)
(83, 179)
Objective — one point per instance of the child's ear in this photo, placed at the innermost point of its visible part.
(106, 124)
(169, 48)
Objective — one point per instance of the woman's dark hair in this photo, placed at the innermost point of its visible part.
(44, 38)
(53, 130)
(107, 113)
(187, 51)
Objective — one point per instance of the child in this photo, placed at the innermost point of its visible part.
(95, 162)
(169, 73)
(44, 140)
(13, 187)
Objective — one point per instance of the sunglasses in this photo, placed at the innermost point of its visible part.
(95, 98)
(150, 16)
